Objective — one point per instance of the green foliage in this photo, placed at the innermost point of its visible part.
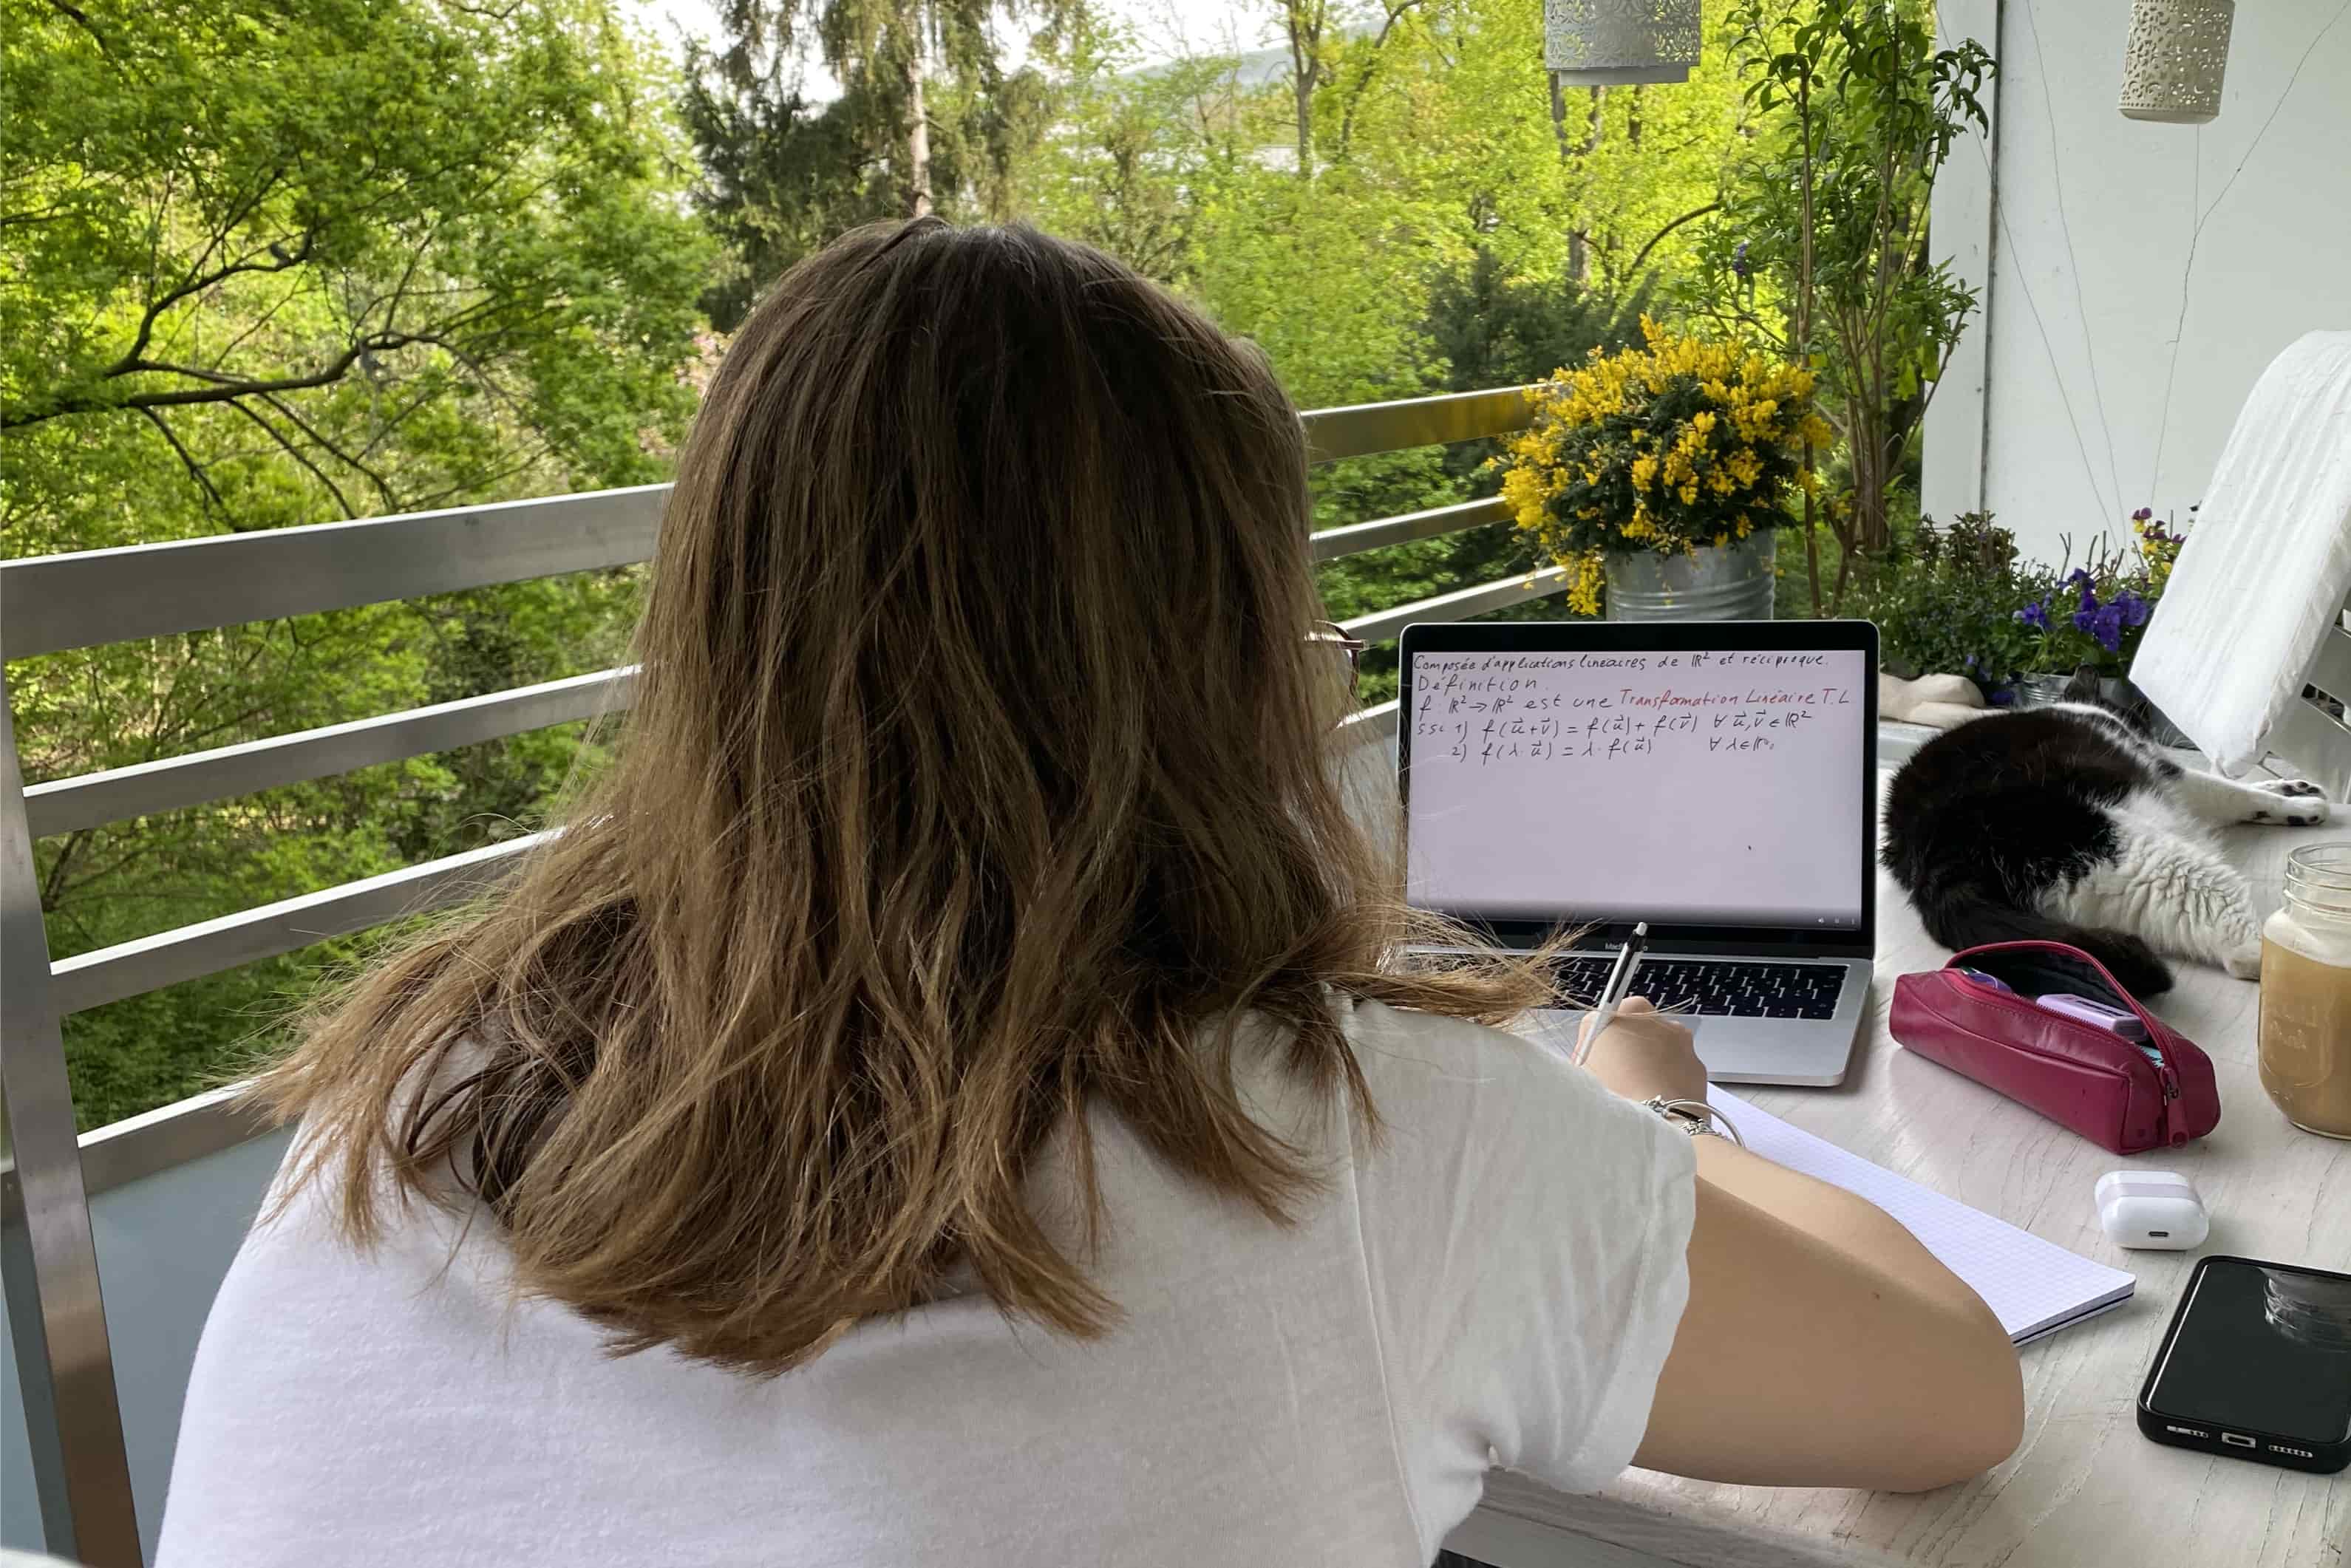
(269, 264)
(1438, 226)
(1820, 246)
(781, 175)
(1135, 154)
(326, 225)
(1498, 331)
(1946, 599)
(1956, 599)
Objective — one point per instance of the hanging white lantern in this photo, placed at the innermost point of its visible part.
(1620, 43)
(2178, 53)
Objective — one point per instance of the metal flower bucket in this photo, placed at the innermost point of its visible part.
(1721, 583)
(2040, 691)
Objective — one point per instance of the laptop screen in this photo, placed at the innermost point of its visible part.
(1685, 785)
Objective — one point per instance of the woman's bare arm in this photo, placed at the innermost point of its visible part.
(1823, 1345)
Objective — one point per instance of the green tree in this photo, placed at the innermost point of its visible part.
(1821, 247)
(1434, 247)
(780, 175)
(273, 263)
(325, 223)
(927, 119)
(1386, 203)
(1497, 330)
(1137, 154)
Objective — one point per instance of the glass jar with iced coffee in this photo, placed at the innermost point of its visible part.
(2305, 1050)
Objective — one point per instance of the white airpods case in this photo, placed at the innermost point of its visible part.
(2157, 1210)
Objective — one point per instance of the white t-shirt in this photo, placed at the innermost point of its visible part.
(1497, 1284)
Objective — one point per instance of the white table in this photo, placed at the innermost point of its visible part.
(2085, 1489)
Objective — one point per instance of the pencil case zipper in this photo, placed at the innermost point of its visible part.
(2166, 1076)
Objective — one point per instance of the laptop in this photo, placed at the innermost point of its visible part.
(1716, 779)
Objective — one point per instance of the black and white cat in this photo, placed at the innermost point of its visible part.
(2065, 823)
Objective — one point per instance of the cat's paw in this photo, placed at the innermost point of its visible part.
(2301, 803)
(2244, 962)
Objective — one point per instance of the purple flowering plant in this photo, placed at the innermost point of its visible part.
(2095, 613)
(1957, 597)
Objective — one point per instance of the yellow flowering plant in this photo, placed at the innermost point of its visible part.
(1679, 443)
(2159, 545)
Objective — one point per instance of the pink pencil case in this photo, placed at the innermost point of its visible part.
(2121, 1094)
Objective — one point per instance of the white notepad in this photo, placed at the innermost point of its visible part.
(2033, 1287)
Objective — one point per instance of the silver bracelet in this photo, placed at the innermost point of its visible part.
(1696, 1117)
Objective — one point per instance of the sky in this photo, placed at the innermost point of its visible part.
(1165, 29)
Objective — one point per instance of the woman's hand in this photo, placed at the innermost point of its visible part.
(1644, 1055)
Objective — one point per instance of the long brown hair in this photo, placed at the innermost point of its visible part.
(979, 769)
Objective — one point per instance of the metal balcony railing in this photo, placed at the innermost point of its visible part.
(56, 602)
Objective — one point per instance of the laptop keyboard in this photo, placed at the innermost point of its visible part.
(1724, 987)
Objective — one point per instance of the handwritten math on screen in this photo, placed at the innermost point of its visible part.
(1706, 788)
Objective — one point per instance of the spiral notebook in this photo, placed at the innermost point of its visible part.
(2033, 1287)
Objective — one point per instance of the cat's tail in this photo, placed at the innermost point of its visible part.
(1965, 917)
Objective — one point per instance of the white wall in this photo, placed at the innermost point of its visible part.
(2055, 417)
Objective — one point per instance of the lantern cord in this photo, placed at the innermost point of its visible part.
(2024, 286)
(2188, 267)
(2074, 271)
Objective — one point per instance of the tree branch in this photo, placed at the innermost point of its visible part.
(222, 388)
(1643, 254)
(1363, 76)
(82, 21)
(382, 486)
(54, 210)
(481, 373)
(407, 276)
(295, 453)
(280, 260)
(196, 469)
(53, 886)
(255, 324)
(386, 426)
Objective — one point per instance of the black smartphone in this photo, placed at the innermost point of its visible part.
(2257, 1365)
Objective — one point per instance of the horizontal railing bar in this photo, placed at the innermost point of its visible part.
(127, 1151)
(56, 602)
(192, 952)
(48, 603)
(1459, 606)
(92, 800)
(172, 1135)
(157, 1140)
(150, 963)
(1333, 543)
(1377, 722)
(1368, 427)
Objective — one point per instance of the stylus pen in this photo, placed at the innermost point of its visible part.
(1612, 994)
